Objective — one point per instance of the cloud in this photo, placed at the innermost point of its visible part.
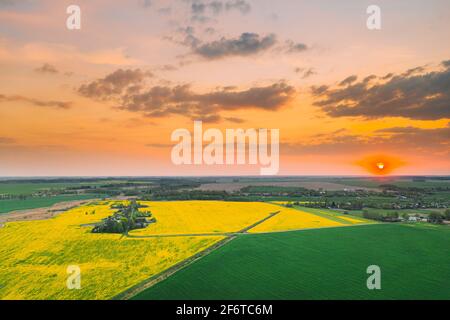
(305, 72)
(207, 118)
(201, 11)
(146, 3)
(348, 81)
(162, 101)
(415, 94)
(234, 120)
(408, 139)
(36, 102)
(294, 47)
(423, 138)
(132, 94)
(242, 6)
(46, 68)
(246, 44)
(115, 83)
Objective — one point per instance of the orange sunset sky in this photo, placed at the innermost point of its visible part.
(105, 99)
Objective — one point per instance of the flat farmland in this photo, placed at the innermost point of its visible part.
(316, 185)
(319, 264)
(292, 219)
(194, 217)
(38, 202)
(34, 256)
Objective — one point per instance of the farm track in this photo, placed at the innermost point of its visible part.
(133, 291)
(130, 293)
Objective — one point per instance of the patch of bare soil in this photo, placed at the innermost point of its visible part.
(41, 213)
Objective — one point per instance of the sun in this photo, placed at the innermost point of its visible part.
(380, 164)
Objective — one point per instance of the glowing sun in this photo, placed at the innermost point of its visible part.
(380, 164)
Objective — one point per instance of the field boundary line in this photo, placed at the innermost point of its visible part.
(143, 285)
(210, 234)
(315, 228)
(133, 291)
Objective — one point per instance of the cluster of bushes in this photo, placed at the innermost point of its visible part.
(433, 217)
(373, 215)
(126, 218)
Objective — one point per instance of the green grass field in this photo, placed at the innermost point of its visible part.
(27, 187)
(38, 202)
(320, 264)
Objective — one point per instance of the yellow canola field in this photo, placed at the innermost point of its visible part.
(193, 217)
(293, 219)
(34, 256)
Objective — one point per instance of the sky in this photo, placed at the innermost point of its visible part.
(104, 100)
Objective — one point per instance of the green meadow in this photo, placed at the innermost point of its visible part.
(319, 264)
(38, 202)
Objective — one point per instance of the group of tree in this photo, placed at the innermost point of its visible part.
(126, 218)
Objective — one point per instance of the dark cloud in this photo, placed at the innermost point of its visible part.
(408, 139)
(167, 67)
(369, 78)
(198, 8)
(208, 118)
(319, 90)
(161, 101)
(293, 47)
(414, 94)
(115, 83)
(189, 38)
(348, 81)
(47, 68)
(245, 45)
(146, 3)
(242, 6)
(36, 102)
(305, 72)
(438, 137)
(234, 120)
(202, 10)
(412, 71)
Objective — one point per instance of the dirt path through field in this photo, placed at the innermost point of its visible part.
(133, 291)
